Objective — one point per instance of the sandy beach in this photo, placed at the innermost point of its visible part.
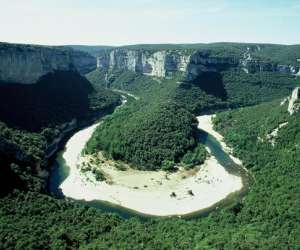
(150, 192)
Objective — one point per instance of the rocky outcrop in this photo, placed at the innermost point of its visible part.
(294, 101)
(159, 63)
(27, 63)
(202, 62)
(163, 63)
(253, 66)
(83, 62)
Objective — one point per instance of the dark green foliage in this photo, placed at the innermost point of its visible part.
(168, 165)
(196, 100)
(98, 175)
(102, 99)
(97, 78)
(32, 145)
(250, 89)
(235, 89)
(27, 150)
(282, 54)
(195, 157)
(211, 83)
(147, 131)
(267, 218)
(148, 137)
(134, 141)
(35, 221)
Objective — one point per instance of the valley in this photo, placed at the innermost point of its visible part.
(196, 156)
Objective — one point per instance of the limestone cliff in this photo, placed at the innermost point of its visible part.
(27, 63)
(163, 63)
(160, 63)
(294, 101)
(202, 62)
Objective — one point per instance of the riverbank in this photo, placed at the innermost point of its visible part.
(154, 192)
(149, 192)
(205, 123)
(73, 126)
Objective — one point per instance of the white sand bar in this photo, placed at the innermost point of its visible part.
(149, 192)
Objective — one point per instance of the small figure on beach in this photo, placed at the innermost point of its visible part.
(173, 195)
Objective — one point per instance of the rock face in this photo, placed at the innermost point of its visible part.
(160, 63)
(294, 101)
(164, 63)
(202, 62)
(27, 63)
(253, 66)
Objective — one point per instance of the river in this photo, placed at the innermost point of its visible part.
(61, 174)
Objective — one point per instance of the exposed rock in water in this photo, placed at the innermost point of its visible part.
(28, 63)
(294, 101)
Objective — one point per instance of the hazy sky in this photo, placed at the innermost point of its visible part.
(119, 22)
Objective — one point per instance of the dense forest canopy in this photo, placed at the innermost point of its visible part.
(267, 218)
(157, 130)
(149, 137)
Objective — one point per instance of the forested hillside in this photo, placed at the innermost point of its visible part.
(32, 119)
(236, 89)
(267, 218)
(150, 133)
(151, 137)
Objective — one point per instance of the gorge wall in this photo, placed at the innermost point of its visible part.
(159, 63)
(163, 63)
(28, 63)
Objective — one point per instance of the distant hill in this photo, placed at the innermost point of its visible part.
(91, 49)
